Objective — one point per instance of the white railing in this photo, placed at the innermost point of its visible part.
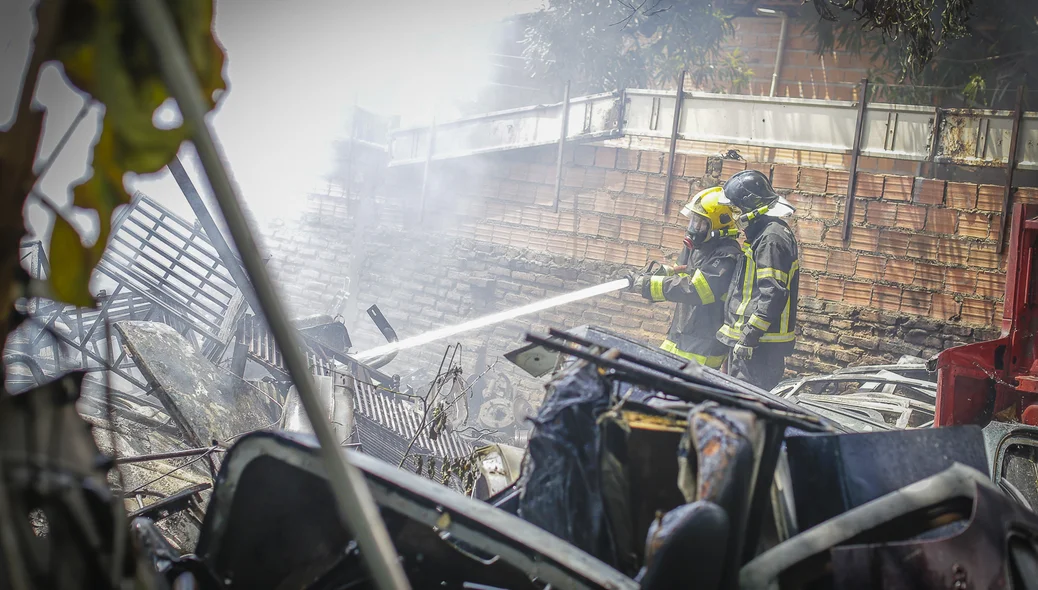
(905, 132)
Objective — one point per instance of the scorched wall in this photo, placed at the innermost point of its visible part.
(920, 272)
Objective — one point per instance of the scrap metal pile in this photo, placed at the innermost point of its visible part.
(641, 472)
(870, 398)
(171, 369)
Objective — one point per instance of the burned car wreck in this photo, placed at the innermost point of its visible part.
(640, 470)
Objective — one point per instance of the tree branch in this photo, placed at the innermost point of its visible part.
(634, 11)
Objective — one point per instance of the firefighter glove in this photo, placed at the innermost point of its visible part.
(637, 282)
(741, 351)
(751, 335)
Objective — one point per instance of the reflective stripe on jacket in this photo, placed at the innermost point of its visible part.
(700, 293)
(764, 291)
(714, 362)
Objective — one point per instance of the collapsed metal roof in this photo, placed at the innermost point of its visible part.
(399, 418)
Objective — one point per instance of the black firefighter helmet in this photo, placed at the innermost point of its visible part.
(750, 192)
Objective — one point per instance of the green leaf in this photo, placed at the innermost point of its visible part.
(70, 265)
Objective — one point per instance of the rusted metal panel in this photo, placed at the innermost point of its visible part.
(983, 138)
(975, 138)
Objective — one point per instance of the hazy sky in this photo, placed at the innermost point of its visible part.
(293, 68)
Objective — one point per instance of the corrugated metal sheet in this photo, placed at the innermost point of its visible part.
(264, 350)
(387, 445)
(379, 441)
(397, 419)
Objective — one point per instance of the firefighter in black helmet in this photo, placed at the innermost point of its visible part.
(762, 300)
(699, 285)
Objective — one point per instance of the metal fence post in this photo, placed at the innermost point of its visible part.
(1010, 167)
(562, 147)
(852, 179)
(673, 141)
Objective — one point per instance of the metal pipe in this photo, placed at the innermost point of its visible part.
(17, 358)
(1014, 140)
(170, 455)
(430, 146)
(852, 178)
(562, 147)
(781, 53)
(176, 168)
(357, 507)
(781, 50)
(184, 453)
(935, 142)
(679, 102)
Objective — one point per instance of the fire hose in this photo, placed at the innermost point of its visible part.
(651, 268)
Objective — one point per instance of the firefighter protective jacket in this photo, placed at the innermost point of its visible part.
(700, 294)
(763, 292)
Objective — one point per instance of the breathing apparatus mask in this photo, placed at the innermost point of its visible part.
(698, 232)
(708, 218)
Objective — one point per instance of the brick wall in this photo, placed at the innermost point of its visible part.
(919, 273)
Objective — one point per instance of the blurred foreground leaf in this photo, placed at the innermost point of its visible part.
(106, 55)
(71, 263)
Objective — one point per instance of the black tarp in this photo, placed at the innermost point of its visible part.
(561, 484)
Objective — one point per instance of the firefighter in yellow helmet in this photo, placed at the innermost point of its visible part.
(699, 285)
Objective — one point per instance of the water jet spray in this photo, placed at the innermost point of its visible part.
(494, 318)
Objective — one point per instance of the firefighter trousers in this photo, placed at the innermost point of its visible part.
(764, 369)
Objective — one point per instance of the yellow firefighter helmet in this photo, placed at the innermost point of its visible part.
(719, 217)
